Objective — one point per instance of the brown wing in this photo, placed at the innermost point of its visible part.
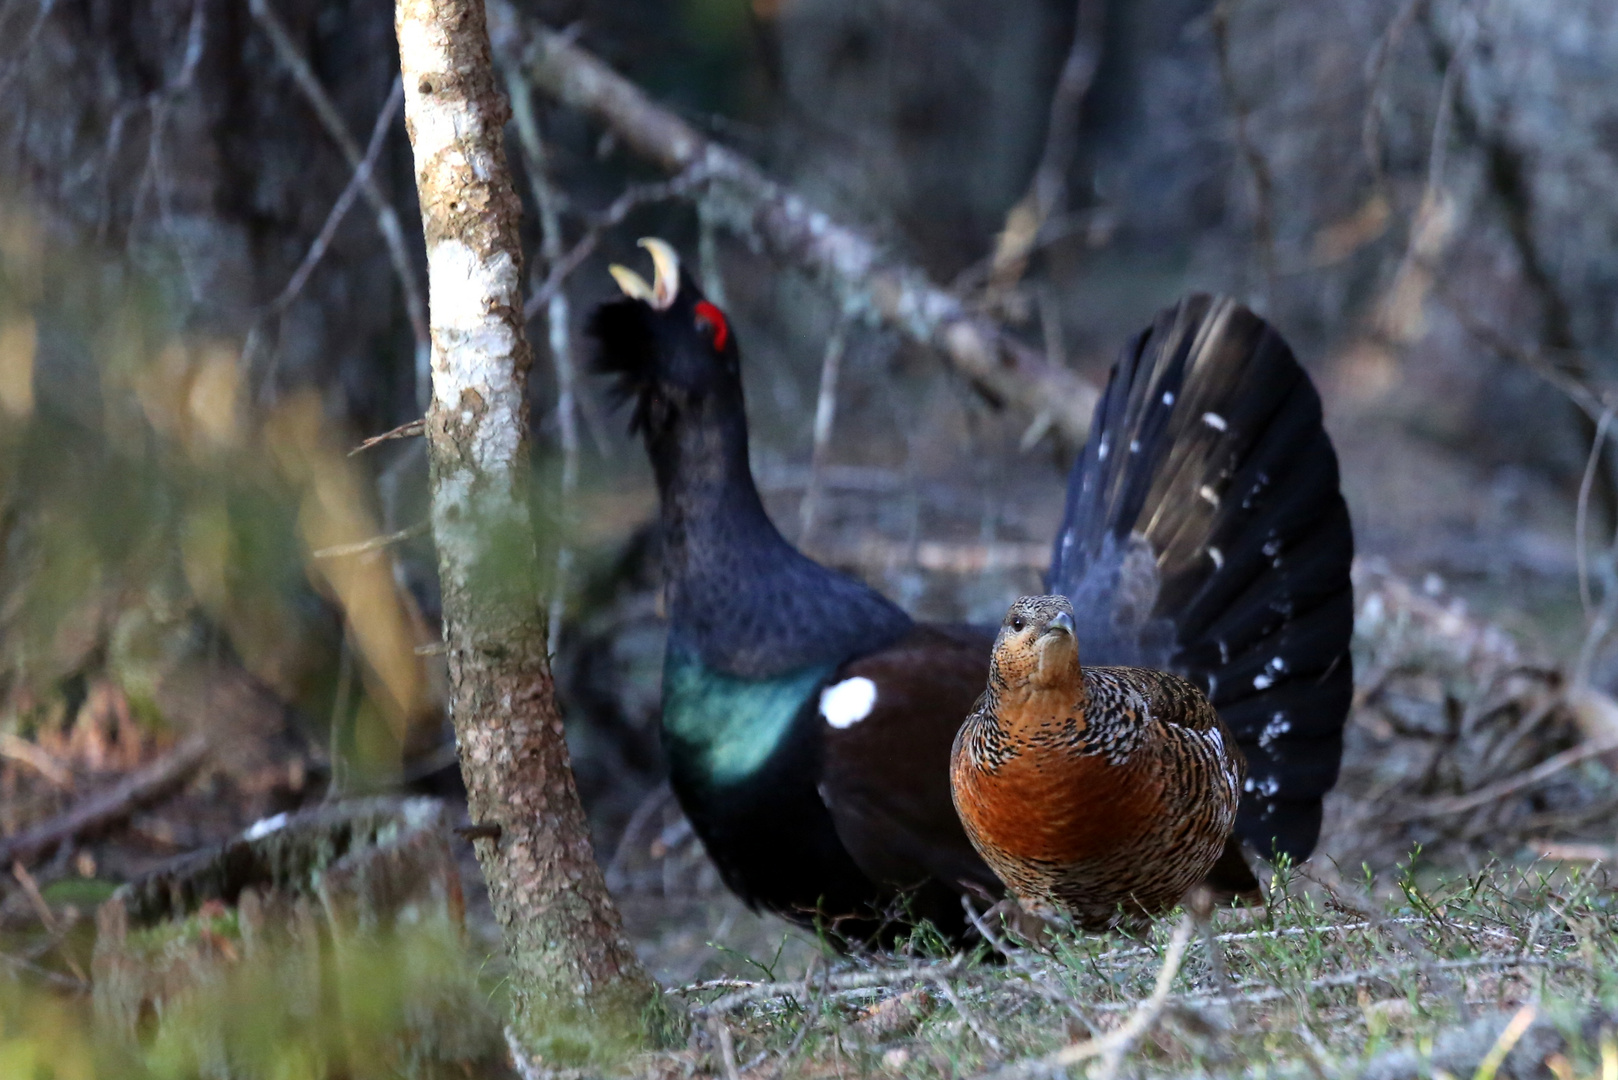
(1179, 702)
(886, 773)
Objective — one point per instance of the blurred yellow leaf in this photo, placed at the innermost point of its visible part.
(211, 400)
(335, 512)
(19, 341)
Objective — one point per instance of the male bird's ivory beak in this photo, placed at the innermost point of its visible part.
(1061, 621)
(665, 278)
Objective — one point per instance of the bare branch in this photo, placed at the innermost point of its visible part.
(375, 543)
(387, 220)
(825, 416)
(562, 267)
(411, 430)
(749, 204)
(345, 201)
(1048, 188)
(560, 336)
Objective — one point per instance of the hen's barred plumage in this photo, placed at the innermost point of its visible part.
(1098, 795)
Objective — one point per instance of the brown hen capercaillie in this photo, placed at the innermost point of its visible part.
(1100, 795)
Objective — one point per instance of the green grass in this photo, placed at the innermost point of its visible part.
(1509, 972)
(1327, 982)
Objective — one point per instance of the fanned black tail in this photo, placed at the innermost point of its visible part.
(1205, 533)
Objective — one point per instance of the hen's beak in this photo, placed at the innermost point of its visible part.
(665, 278)
(1063, 622)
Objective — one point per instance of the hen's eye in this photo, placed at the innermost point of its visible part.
(1017, 624)
(711, 318)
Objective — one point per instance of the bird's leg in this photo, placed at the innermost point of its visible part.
(1023, 925)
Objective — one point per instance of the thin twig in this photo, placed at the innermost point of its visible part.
(1263, 184)
(345, 201)
(1048, 187)
(66, 982)
(26, 49)
(47, 917)
(387, 219)
(713, 282)
(1363, 905)
(748, 991)
(1370, 127)
(560, 338)
(631, 200)
(825, 416)
(1112, 1046)
(19, 749)
(649, 807)
(375, 543)
(727, 1047)
(1581, 517)
(154, 175)
(411, 430)
(985, 1036)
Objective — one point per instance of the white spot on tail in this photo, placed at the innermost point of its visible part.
(848, 702)
(1218, 558)
(1209, 493)
(1103, 449)
(1168, 397)
(1263, 681)
(1215, 421)
(1278, 725)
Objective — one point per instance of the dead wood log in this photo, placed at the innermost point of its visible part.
(869, 282)
(302, 906)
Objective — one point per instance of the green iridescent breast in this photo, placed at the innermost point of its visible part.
(726, 727)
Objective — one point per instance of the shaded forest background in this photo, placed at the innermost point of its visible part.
(1421, 194)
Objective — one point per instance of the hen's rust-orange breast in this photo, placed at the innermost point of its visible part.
(1057, 806)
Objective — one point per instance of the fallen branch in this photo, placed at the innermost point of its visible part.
(100, 812)
(745, 201)
(1513, 784)
(1116, 1043)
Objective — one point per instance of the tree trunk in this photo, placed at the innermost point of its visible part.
(578, 990)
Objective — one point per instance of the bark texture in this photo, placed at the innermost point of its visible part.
(578, 989)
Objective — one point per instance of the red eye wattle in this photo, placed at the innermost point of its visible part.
(716, 319)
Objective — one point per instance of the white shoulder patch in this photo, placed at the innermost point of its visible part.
(265, 826)
(846, 703)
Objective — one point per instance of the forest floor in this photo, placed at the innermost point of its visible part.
(1479, 783)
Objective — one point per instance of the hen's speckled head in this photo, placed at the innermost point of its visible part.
(1036, 647)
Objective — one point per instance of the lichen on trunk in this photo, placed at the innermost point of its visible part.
(578, 990)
